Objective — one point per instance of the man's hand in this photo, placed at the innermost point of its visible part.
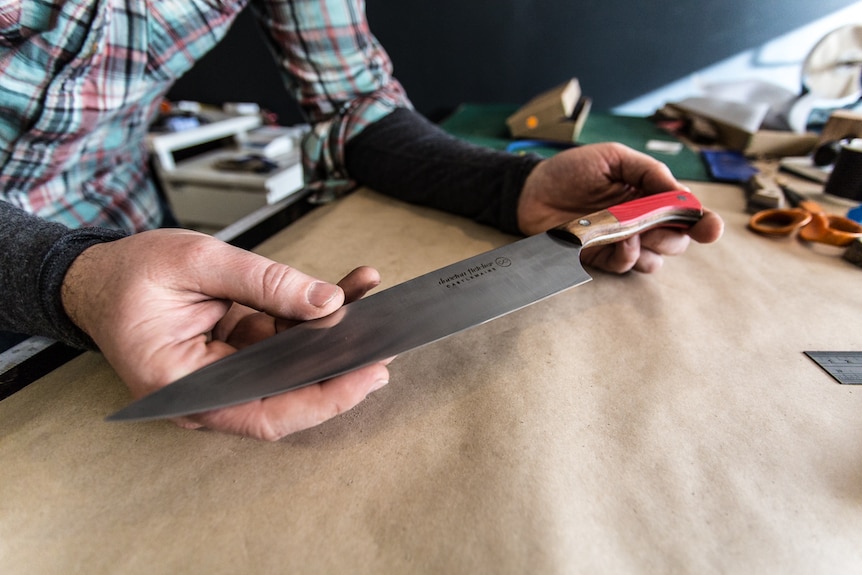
(164, 303)
(591, 178)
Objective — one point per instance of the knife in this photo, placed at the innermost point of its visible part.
(414, 313)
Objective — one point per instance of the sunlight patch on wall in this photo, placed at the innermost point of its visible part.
(778, 62)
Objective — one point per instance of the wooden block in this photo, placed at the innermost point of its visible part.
(558, 114)
(840, 125)
(763, 193)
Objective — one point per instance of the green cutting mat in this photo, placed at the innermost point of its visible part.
(485, 125)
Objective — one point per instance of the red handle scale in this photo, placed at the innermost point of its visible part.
(672, 209)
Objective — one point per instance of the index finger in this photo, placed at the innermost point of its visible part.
(645, 172)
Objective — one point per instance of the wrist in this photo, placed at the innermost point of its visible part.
(531, 211)
(75, 289)
(75, 294)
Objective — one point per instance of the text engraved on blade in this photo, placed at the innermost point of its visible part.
(474, 272)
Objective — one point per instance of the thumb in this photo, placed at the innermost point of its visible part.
(268, 286)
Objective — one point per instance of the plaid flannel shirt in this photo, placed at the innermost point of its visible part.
(81, 81)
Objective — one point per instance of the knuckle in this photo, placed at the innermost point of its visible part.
(276, 279)
(331, 410)
(269, 429)
(270, 435)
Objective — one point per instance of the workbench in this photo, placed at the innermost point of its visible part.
(665, 423)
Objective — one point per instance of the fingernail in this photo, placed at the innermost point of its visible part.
(321, 293)
(378, 384)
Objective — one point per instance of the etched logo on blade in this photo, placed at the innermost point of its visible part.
(473, 273)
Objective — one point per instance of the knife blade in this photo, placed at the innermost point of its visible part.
(412, 314)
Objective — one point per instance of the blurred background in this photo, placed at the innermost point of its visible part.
(630, 57)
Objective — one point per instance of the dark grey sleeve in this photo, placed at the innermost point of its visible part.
(406, 156)
(34, 257)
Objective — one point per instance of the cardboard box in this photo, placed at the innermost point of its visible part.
(778, 144)
(558, 114)
(842, 124)
(738, 127)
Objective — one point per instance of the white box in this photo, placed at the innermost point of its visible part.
(204, 195)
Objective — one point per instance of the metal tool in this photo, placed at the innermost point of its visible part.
(809, 219)
(844, 366)
(414, 313)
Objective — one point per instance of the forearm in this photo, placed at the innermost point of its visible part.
(34, 257)
(336, 70)
(406, 156)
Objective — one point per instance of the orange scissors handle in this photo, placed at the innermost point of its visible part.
(809, 218)
(779, 221)
(829, 229)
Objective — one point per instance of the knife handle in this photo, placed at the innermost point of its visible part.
(671, 209)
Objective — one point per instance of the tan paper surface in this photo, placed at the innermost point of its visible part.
(648, 424)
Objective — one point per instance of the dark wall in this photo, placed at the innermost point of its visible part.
(450, 51)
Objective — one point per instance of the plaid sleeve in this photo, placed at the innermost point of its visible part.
(336, 69)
